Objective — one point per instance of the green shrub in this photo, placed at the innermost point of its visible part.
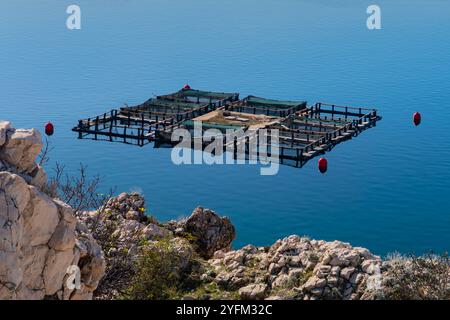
(158, 273)
(417, 278)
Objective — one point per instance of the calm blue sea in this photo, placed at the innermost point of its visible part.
(388, 190)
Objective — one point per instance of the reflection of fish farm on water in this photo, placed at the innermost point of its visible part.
(302, 132)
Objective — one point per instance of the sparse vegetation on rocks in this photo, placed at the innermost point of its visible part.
(412, 277)
(292, 268)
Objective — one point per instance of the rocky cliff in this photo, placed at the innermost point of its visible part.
(292, 268)
(40, 237)
(127, 234)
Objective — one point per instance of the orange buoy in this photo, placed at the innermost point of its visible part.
(187, 87)
(417, 118)
(323, 165)
(49, 129)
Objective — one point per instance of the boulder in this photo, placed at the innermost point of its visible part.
(347, 272)
(322, 270)
(370, 266)
(153, 232)
(129, 206)
(281, 281)
(211, 232)
(255, 291)
(21, 148)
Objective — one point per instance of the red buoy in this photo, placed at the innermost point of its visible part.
(323, 165)
(417, 118)
(187, 87)
(49, 129)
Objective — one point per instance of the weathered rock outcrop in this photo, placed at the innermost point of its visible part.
(292, 268)
(126, 232)
(297, 268)
(122, 220)
(40, 237)
(210, 232)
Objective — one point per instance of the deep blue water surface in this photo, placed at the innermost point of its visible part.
(387, 190)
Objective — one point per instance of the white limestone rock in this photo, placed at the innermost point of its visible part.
(253, 291)
(38, 238)
(21, 148)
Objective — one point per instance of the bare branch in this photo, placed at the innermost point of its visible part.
(44, 155)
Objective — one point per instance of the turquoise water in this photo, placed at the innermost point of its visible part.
(387, 190)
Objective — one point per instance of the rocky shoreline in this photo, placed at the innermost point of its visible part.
(292, 268)
(122, 253)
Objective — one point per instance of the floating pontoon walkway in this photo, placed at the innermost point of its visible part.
(301, 132)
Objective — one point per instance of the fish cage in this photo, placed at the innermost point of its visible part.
(222, 121)
(318, 129)
(139, 124)
(291, 140)
(268, 107)
(286, 131)
(201, 97)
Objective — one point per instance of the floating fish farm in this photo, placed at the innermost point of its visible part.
(300, 132)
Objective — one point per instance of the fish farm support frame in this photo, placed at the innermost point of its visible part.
(303, 132)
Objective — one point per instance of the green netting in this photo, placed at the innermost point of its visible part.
(210, 125)
(252, 100)
(175, 104)
(322, 120)
(207, 94)
(202, 94)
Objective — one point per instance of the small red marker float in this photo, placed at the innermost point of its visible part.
(49, 129)
(323, 165)
(417, 118)
(187, 87)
